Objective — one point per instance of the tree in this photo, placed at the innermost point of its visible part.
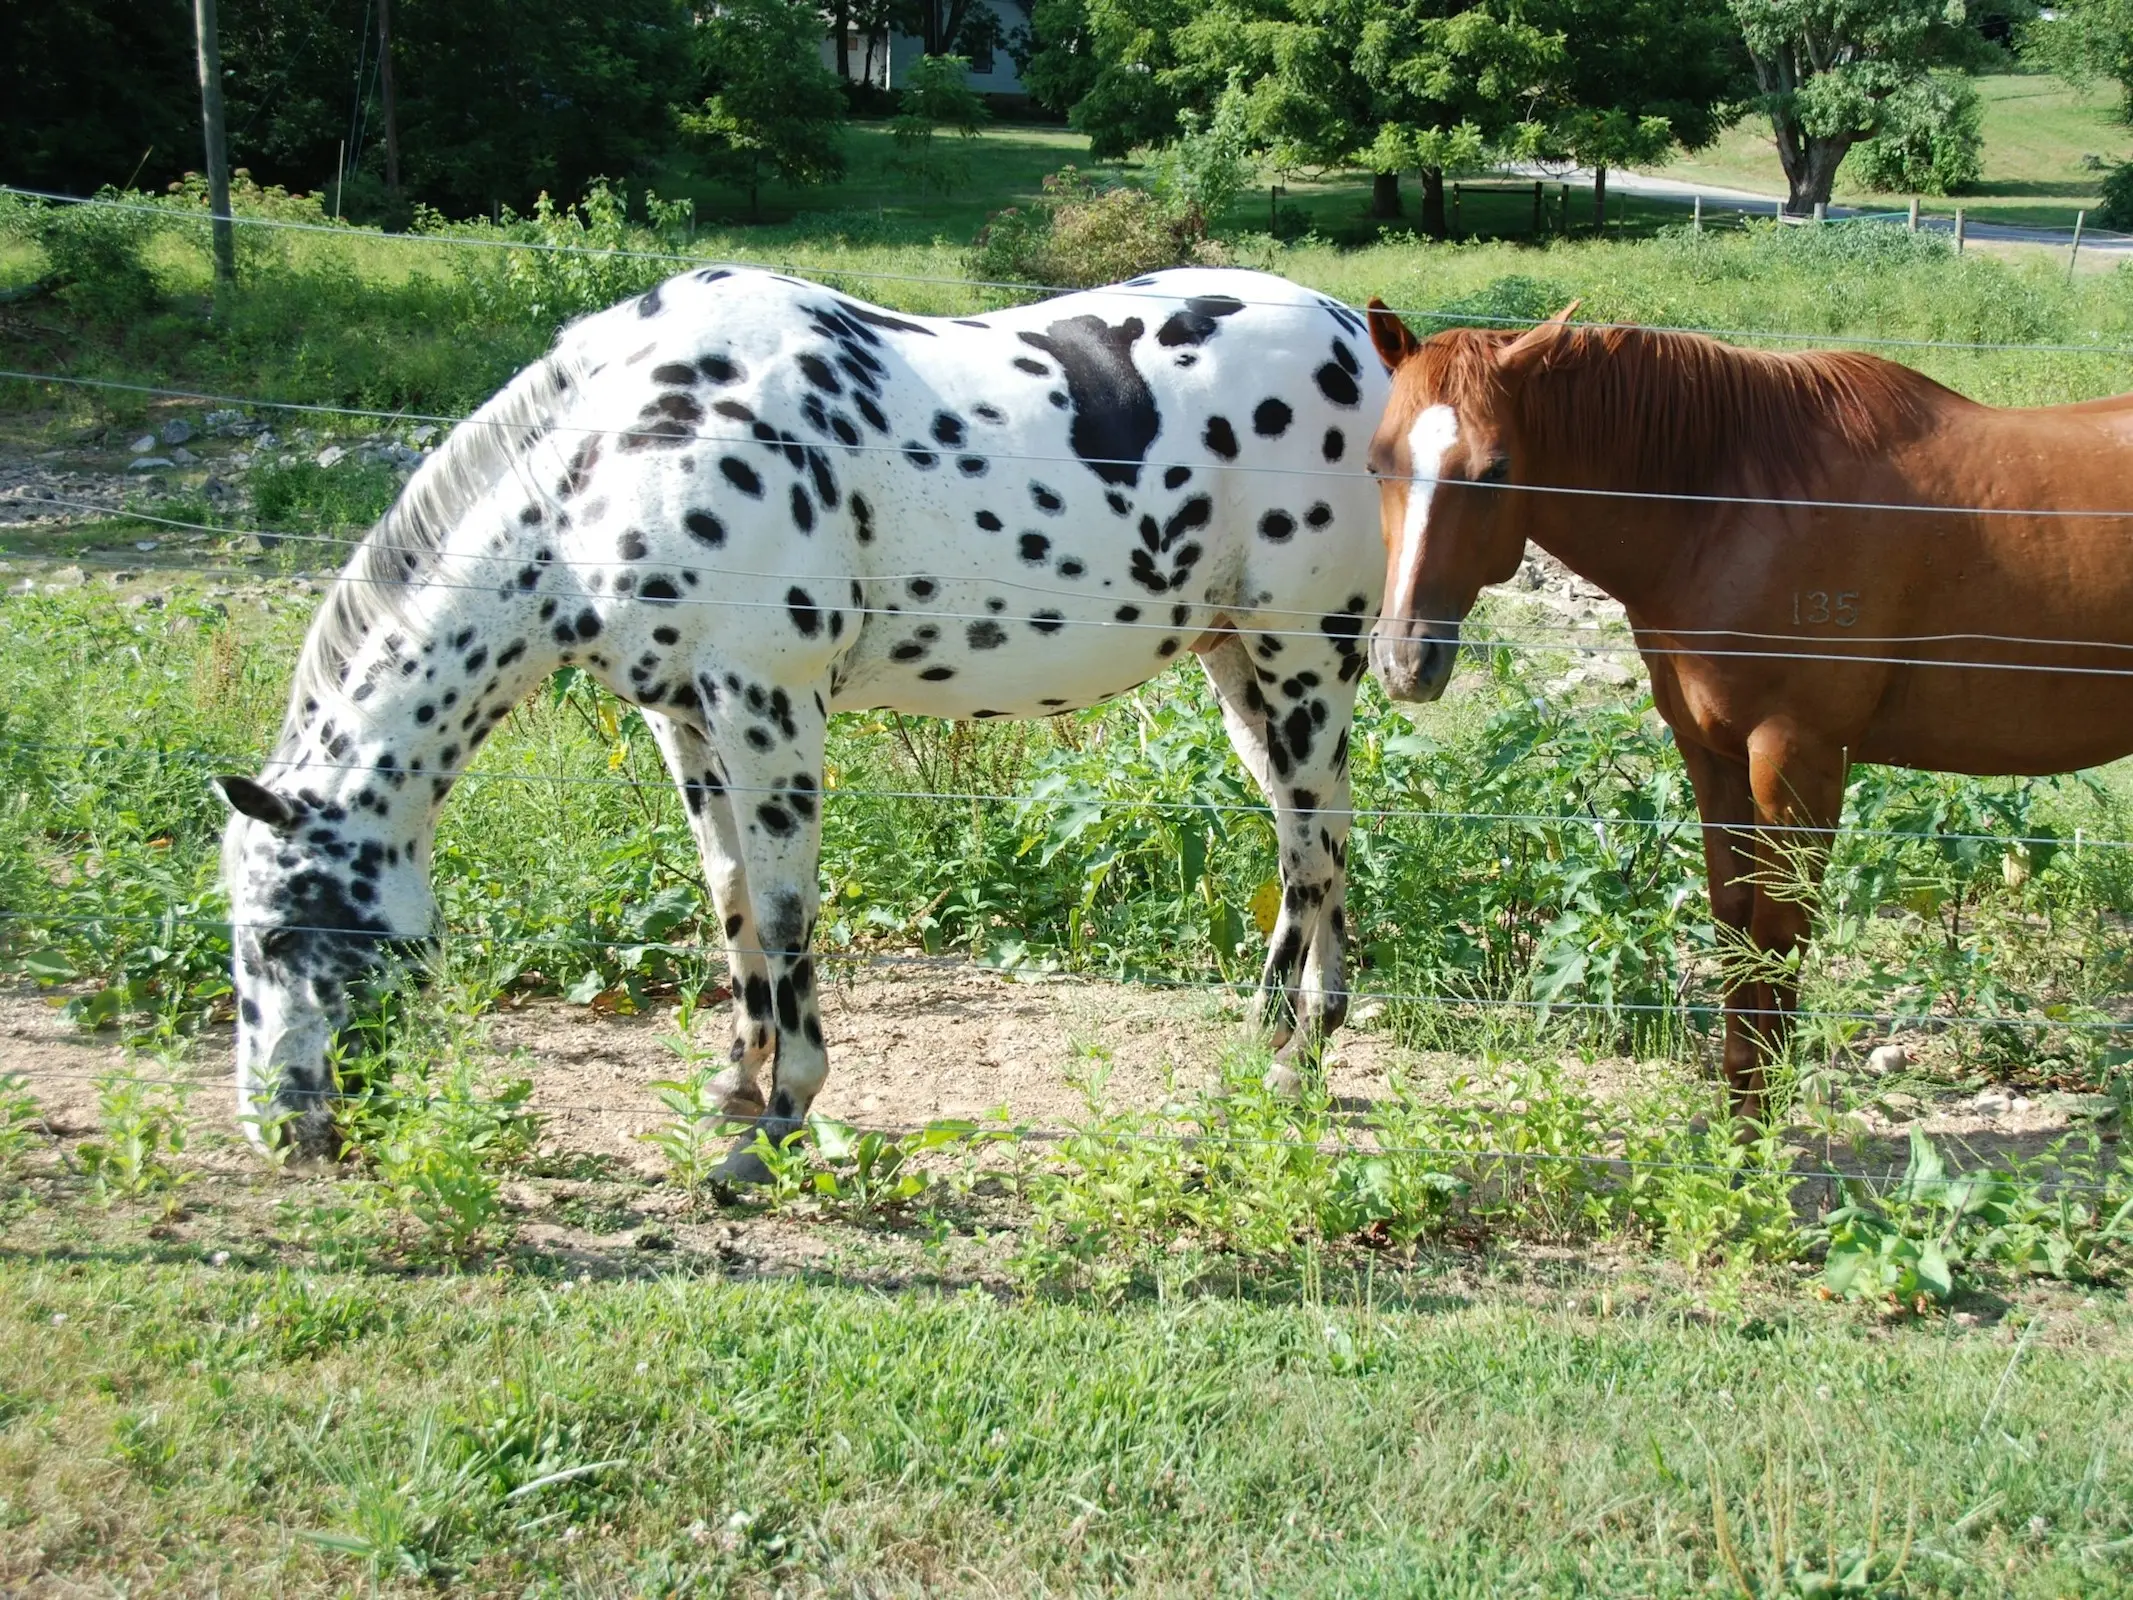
(935, 96)
(1641, 79)
(949, 27)
(1827, 69)
(96, 92)
(1414, 85)
(774, 108)
(2083, 40)
(1111, 66)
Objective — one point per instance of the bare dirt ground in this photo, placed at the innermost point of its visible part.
(908, 1048)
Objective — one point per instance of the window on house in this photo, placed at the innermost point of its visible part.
(981, 58)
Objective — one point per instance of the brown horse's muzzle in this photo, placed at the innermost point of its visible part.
(1413, 659)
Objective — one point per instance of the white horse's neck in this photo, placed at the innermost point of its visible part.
(386, 732)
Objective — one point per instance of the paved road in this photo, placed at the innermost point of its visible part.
(1649, 186)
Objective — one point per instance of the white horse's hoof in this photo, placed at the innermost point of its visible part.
(1284, 1081)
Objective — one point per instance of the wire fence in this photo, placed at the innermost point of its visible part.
(1025, 968)
(894, 960)
(1445, 314)
(216, 763)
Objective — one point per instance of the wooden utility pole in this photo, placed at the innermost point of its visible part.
(218, 156)
(385, 91)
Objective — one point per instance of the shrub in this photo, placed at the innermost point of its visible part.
(94, 257)
(1931, 140)
(2118, 197)
(1079, 236)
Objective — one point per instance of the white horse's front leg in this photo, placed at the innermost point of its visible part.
(702, 782)
(769, 741)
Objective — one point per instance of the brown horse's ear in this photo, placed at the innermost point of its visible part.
(1394, 339)
(1540, 340)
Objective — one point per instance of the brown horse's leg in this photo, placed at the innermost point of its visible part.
(1799, 795)
(1726, 804)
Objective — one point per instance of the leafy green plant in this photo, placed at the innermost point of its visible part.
(693, 1136)
(19, 1120)
(141, 1123)
(442, 1149)
(1707, 1196)
(1903, 1248)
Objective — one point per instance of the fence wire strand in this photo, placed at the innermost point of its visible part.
(1080, 800)
(1036, 970)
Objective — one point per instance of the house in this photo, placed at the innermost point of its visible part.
(883, 59)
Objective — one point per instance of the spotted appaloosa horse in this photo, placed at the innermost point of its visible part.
(742, 500)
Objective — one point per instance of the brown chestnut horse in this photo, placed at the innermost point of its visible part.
(1856, 564)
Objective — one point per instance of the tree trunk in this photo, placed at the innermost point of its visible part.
(385, 91)
(1809, 180)
(1599, 201)
(841, 20)
(1433, 202)
(1384, 195)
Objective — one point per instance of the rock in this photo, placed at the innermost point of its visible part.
(227, 421)
(177, 431)
(150, 600)
(1888, 1058)
(150, 464)
(1612, 670)
(331, 455)
(145, 443)
(145, 544)
(183, 456)
(422, 435)
(215, 489)
(1992, 1102)
(66, 578)
(1367, 1015)
(266, 440)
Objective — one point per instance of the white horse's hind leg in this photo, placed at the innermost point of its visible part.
(769, 742)
(1288, 705)
(697, 774)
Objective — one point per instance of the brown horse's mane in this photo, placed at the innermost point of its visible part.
(1683, 409)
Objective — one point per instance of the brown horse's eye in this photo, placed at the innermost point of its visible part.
(1497, 471)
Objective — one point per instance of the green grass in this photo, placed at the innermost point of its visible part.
(2037, 132)
(1005, 165)
(245, 1430)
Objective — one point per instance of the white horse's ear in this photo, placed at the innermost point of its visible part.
(1538, 340)
(1395, 341)
(250, 798)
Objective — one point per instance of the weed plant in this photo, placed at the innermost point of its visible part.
(141, 1130)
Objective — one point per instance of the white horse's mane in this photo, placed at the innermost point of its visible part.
(397, 553)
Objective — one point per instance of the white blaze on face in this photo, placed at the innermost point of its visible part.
(1433, 434)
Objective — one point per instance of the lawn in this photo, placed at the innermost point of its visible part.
(1513, 1428)
(2038, 135)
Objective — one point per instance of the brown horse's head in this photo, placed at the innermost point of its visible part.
(1444, 449)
